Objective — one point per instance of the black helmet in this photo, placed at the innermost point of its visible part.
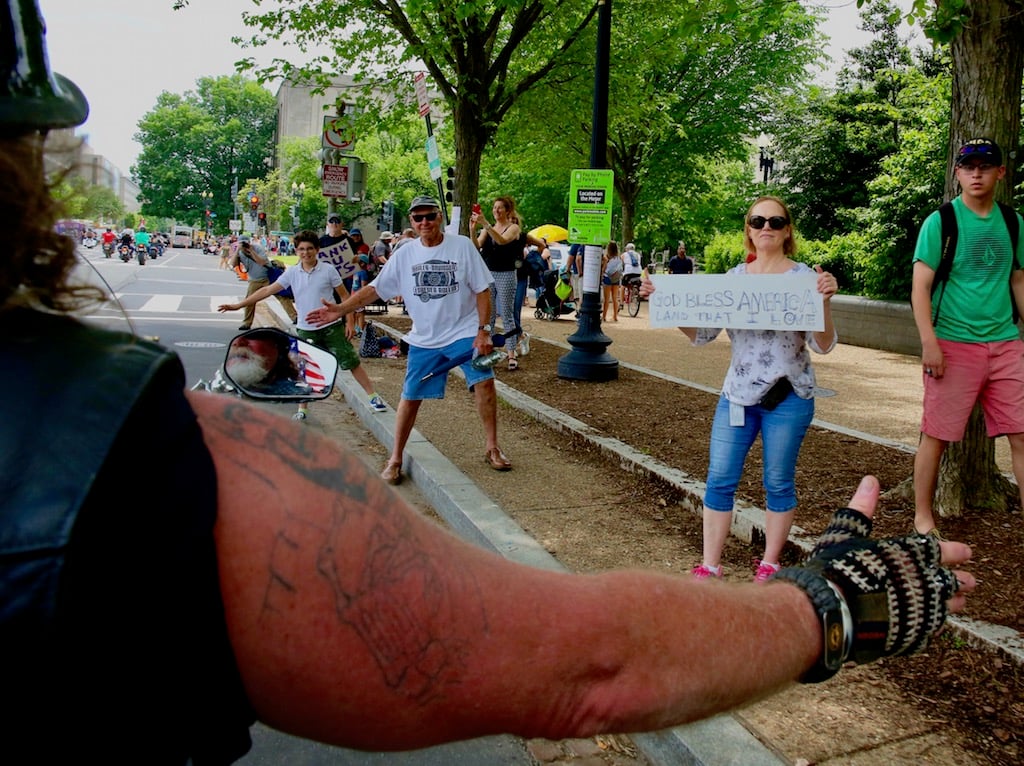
(31, 96)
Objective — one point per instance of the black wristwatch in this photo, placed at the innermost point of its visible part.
(836, 621)
(486, 327)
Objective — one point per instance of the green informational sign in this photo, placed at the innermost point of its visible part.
(590, 206)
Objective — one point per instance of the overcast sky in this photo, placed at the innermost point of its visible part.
(124, 53)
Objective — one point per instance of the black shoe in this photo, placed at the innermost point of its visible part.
(243, 327)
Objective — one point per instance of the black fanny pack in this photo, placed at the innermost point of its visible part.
(774, 396)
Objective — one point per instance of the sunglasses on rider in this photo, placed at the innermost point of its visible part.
(417, 217)
(777, 222)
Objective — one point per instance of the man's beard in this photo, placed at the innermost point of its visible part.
(247, 369)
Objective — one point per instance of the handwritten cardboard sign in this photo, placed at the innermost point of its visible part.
(742, 301)
(339, 255)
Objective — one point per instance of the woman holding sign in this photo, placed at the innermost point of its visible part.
(769, 389)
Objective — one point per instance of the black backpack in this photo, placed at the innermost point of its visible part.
(950, 234)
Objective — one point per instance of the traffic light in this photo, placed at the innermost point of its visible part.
(254, 202)
(450, 183)
(262, 217)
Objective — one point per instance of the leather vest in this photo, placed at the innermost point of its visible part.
(67, 390)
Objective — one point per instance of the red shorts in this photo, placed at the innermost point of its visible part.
(992, 373)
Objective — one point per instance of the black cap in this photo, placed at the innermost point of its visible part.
(31, 96)
(424, 200)
(334, 218)
(984, 149)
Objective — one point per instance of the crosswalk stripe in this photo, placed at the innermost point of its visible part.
(175, 304)
(162, 303)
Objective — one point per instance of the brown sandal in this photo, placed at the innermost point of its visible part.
(392, 473)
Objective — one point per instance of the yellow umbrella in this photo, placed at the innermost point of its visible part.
(551, 232)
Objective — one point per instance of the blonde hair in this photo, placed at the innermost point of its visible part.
(789, 246)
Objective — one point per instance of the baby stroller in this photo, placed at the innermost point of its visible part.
(554, 297)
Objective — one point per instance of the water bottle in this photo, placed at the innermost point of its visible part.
(487, 361)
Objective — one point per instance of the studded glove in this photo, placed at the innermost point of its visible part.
(876, 598)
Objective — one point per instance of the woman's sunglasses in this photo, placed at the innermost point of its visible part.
(417, 217)
(777, 222)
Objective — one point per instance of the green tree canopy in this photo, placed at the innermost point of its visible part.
(202, 141)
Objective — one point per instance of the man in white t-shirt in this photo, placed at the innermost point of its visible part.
(446, 286)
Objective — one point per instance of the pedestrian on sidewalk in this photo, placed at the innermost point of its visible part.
(447, 287)
(768, 390)
(254, 260)
(611, 280)
(503, 247)
(970, 348)
(311, 281)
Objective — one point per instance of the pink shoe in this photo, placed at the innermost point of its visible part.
(765, 571)
(704, 573)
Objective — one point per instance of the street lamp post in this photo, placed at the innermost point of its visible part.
(589, 359)
(765, 164)
(298, 192)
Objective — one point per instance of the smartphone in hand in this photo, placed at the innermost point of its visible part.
(476, 208)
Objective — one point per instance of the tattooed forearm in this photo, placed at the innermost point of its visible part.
(346, 544)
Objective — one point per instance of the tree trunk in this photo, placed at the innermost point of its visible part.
(988, 61)
(469, 149)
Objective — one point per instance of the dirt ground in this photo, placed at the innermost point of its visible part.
(975, 699)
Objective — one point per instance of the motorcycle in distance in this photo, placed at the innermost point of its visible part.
(269, 365)
(89, 242)
(125, 252)
(108, 249)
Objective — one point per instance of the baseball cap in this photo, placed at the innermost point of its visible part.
(245, 238)
(424, 200)
(354, 232)
(334, 219)
(980, 149)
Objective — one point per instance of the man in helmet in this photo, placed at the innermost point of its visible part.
(142, 239)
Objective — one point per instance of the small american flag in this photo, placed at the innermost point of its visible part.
(312, 373)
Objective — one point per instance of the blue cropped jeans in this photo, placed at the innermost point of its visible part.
(782, 432)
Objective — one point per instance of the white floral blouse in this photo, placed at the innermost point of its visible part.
(761, 357)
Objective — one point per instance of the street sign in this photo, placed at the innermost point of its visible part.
(235, 224)
(590, 206)
(335, 180)
(420, 84)
(338, 133)
(433, 158)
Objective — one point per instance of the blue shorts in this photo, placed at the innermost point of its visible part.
(421, 361)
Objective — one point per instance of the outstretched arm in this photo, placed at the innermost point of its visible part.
(329, 312)
(357, 622)
(256, 297)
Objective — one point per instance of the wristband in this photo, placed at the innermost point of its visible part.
(836, 621)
